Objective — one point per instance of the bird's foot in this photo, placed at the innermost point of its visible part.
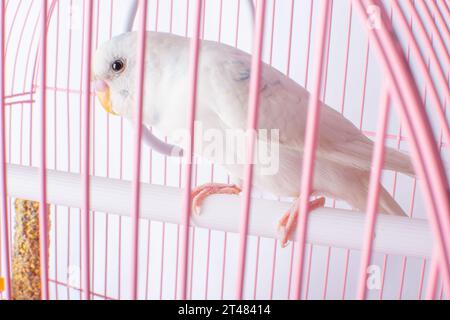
(200, 193)
(288, 222)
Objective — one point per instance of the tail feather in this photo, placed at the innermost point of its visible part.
(388, 205)
(358, 155)
(357, 198)
(398, 161)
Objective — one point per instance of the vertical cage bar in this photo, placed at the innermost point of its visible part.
(408, 27)
(308, 45)
(383, 277)
(255, 276)
(43, 218)
(312, 129)
(55, 133)
(305, 81)
(274, 254)
(219, 36)
(193, 77)
(374, 193)
(324, 94)
(69, 60)
(421, 279)
(148, 259)
(157, 16)
(364, 84)
(252, 122)
(345, 275)
(161, 265)
(137, 147)
(5, 249)
(108, 139)
(291, 24)
(191, 268)
(238, 17)
(94, 148)
(85, 165)
(308, 271)
(433, 278)
(343, 97)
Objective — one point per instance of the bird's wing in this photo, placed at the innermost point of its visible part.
(283, 106)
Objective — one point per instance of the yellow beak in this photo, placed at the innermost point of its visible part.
(103, 95)
(105, 101)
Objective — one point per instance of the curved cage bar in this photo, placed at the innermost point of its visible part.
(118, 212)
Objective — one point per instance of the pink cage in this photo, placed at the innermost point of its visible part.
(112, 237)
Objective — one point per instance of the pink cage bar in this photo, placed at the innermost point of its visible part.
(41, 58)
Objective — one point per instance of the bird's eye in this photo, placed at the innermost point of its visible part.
(117, 66)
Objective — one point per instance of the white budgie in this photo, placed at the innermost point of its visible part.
(343, 162)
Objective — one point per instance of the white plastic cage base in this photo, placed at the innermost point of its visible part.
(330, 227)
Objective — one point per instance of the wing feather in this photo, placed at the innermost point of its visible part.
(283, 106)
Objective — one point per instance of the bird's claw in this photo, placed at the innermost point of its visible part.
(282, 236)
(199, 194)
(287, 223)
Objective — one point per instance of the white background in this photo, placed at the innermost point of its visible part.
(112, 152)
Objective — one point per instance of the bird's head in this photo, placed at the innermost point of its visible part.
(113, 73)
